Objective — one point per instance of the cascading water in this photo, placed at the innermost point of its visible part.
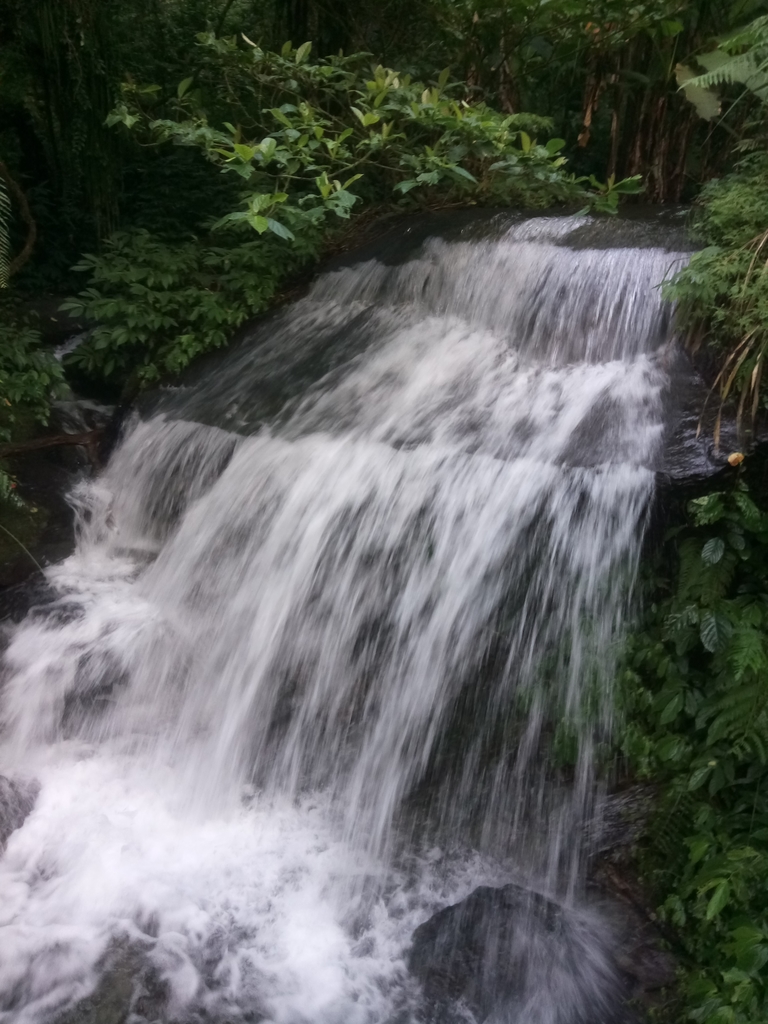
(332, 614)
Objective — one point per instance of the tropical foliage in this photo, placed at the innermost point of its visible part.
(156, 305)
(723, 293)
(696, 705)
(308, 142)
(29, 378)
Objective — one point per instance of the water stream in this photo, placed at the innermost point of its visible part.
(334, 650)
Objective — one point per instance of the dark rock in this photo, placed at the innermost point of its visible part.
(132, 986)
(690, 462)
(16, 801)
(55, 325)
(41, 532)
(128, 986)
(646, 967)
(621, 820)
(509, 954)
(690, 457)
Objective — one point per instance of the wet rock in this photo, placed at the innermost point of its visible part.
(17, 799)
(620, 821)
(134, 988)
(645, 965)
(508, 954)
(689, 457)
(128, 987)
(690, 462)
(648, 969)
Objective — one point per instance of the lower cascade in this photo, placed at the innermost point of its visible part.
(306, 732)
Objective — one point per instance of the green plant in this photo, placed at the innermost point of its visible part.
(696, 692)
(29, 377)
(308, 143)
(313, 138)
(157, 304)
(741, 57)
(722, 294)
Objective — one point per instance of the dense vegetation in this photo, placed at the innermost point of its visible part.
(696, 683)
(696, 704)
(173, 164)
(312, 142)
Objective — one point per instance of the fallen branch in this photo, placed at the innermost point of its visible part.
(88, 439)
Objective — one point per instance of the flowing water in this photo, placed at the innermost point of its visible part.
(336, 642)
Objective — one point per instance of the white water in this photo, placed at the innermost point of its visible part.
(299, 688)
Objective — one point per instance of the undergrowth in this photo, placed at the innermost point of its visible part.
(722, 294)
(695, 688)
(29, 378)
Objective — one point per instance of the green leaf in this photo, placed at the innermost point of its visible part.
(699, 777)
(280, 229)
(280, 116)
(246, 153)
(715, 631)
(672, 710)
(629, 186)
(184, 86)
(303, 52)
(260, 224)
(699, 847)
(268, 147)
(713, 551)
(670, 748)
(707, 510)
(464, 173)
(719, 899)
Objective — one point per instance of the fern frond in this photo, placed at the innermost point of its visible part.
(691, 566)
(5, 235)
(742, 715)
(741, 58)
(747, 652)
(742, 68)
(755, 34)
(716, 579)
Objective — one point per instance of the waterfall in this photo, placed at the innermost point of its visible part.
(336, 643)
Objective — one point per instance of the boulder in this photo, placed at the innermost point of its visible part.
(17, 799)
(510, 955)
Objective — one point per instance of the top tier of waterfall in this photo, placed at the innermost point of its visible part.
(551, 292)
(553, 303)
